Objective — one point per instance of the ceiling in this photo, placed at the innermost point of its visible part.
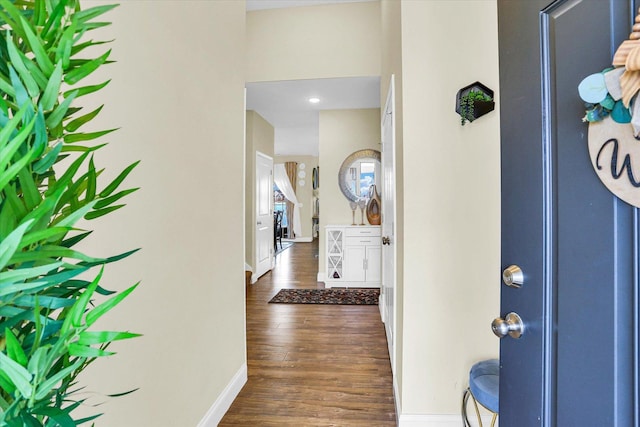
(285, 104)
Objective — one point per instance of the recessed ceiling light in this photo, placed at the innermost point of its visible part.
(314, 100)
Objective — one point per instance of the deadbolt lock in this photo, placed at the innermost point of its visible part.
(513, 276)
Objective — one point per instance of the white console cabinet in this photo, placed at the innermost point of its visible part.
(353, 256)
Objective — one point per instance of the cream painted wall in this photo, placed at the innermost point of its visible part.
(260, 137)
(451, 213)
(325, 41)
(341, 133)
(304, 193)
(177, 93)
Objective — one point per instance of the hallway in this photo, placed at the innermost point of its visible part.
(311, 365)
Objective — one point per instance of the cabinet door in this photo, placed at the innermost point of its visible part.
(374, 258)
(334, 255)
(354, 257)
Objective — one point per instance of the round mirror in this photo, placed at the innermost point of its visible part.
(358, 171)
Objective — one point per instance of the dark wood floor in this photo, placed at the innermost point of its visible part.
(311, 365)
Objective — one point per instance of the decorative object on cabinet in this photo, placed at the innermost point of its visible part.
(362, 204)
(353, 256)
(354, 207)
(474, 101)
(316, 177)
(373, 207)
(358, 171)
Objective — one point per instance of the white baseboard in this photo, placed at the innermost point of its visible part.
(381, 308)
(222, 404)
(299, 240)
(321, 276)
(454, 420)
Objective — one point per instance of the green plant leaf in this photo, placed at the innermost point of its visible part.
(93, 338)
(79, 73)
(21, 95)
(18, 61)
(6, 87)
(113, 186)
(45, 163)
(90, 43)
(51, 303)
(75, 124)
(61, 418)
(75, 216)
(37, 365)
(65, 45)
(9, 174)
(18, 375)
(10, 244)
(30, 191)
(91, 181)
(71, 241)
(43, 235)
(14, 349)
(84, 351)
(101, 212)
(54, 22)
(86, 90)
(51, 252)
(37, 47)
(46, 386)
(9, 149)
(112, 199)
(103, 308)
(15, 276)
(52, 91)
(77, 137)
(22, 287)
(56, 116)
(78, 309)
(92, 13)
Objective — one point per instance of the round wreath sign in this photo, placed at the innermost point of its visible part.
(613, 113)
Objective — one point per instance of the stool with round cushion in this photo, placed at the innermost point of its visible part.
(484, 381)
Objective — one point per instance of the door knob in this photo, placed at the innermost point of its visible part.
(386, 240)
(511, 325)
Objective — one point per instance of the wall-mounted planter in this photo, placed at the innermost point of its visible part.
(474, 101)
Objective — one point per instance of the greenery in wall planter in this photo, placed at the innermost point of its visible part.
(50, 293)
(474, 101)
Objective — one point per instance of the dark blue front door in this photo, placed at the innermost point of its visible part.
(577, 362)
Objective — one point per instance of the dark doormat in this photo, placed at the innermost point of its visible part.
(353, 296)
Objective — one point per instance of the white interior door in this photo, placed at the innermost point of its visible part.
(389, 221)
(264, 214)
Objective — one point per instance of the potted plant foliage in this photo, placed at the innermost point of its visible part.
(474, 101)
(50, 292)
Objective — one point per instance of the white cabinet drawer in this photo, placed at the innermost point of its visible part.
(360, 232)
(362, 241)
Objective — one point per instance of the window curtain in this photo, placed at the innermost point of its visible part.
(283, 182)
(291, 168)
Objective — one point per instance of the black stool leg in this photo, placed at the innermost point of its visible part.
(465, 400)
